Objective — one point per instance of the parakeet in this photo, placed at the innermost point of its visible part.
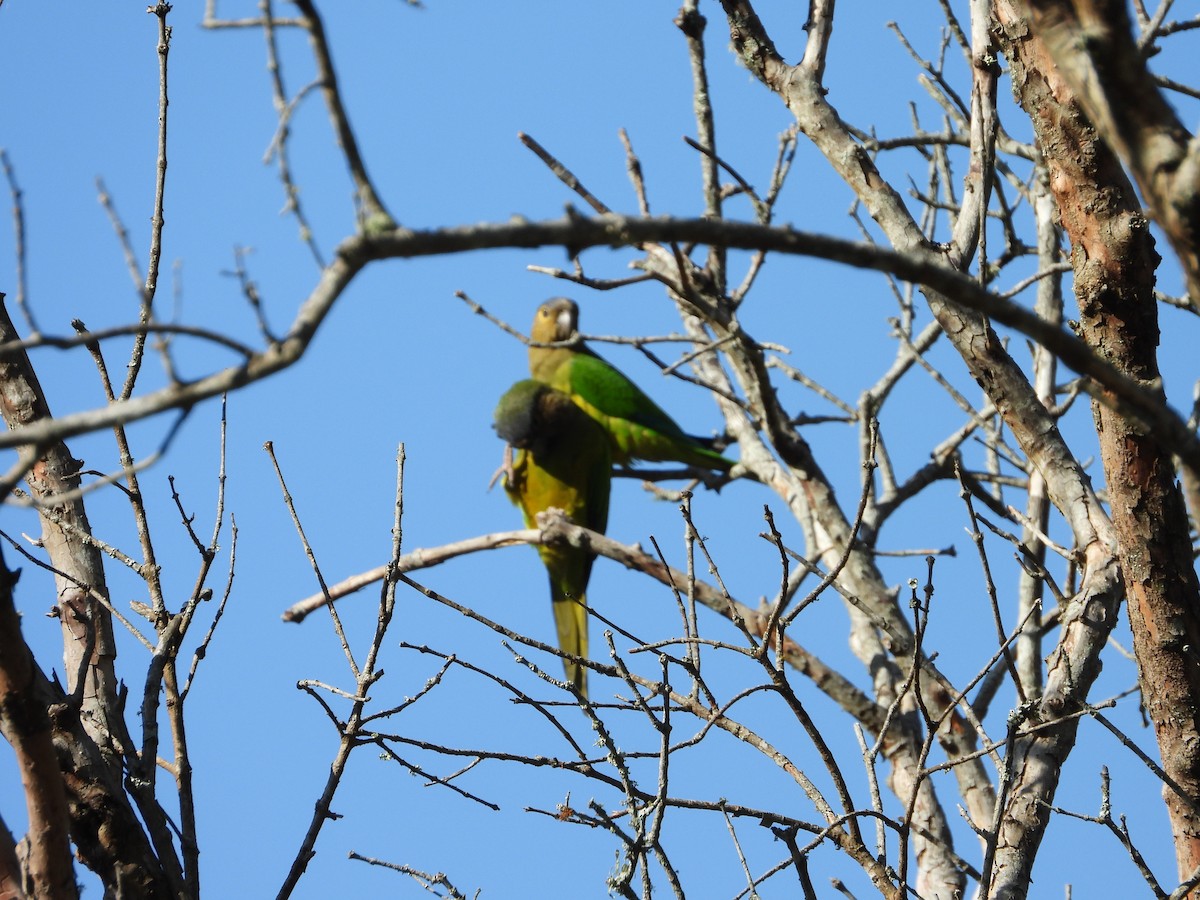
(563, 460)
(636, 426)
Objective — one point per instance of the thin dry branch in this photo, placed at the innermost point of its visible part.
(373, 215)
(284, 109)
(19, 251)
(574, 231)
(350, 728)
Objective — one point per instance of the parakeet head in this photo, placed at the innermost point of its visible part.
(555, 320)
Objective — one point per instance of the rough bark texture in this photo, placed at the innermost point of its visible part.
(1114, 261)
(44, 726)
(49, 871)
(89, 650)
(86, 722)
(1093, 48)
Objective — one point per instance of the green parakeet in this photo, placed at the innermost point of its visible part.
(563, 460)
(636, 426)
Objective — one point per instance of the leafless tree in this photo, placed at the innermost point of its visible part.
(984, 243)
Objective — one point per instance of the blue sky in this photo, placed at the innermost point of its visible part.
(437, 98)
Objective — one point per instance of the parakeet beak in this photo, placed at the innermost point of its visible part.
(564, 327)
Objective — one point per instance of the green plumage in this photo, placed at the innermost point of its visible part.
(636, 426)
(563, 460)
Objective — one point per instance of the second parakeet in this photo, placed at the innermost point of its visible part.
(636, 426)
(563, 460)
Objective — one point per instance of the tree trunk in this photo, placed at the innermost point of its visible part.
(1114, 262)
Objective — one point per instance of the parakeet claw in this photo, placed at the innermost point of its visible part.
(506, 469)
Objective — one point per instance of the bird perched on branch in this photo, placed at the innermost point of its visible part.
(636, 426)
(563, 460)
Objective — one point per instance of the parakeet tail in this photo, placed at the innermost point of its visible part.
(571, 620)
